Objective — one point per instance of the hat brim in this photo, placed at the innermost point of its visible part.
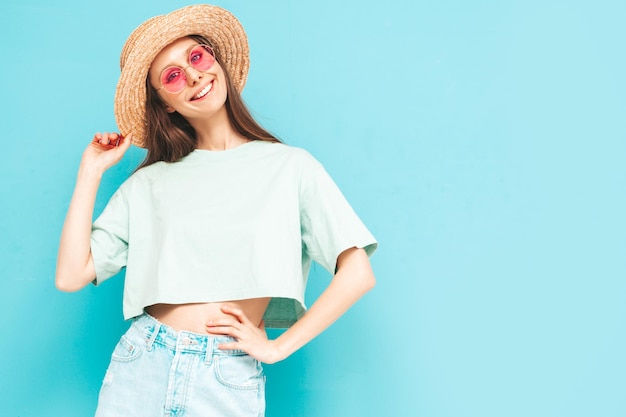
(220, 27)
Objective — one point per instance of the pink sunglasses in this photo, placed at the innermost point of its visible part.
(174, 78)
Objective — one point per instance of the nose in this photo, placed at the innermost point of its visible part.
(192, 75)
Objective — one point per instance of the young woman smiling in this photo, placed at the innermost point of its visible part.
(217, 229)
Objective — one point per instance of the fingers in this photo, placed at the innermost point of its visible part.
(247, 338)
(228, 326)
(106, 138)
(228, 346)
(222, 330)
(106, 141)
(125, 141)
(236, 312)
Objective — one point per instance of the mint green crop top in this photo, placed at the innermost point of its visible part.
(226, 225)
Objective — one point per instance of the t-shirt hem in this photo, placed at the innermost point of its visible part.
(130, 313)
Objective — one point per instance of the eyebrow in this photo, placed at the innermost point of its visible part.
(185, 55)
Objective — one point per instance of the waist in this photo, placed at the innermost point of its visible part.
(155, 332)
(193, 317)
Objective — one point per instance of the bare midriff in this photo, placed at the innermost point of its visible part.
(194, 317)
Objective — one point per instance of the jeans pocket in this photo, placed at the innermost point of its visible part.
(239, 372)
(126, 350)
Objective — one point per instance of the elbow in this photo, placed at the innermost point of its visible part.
(68, 282)
(72, 276)
(363, 280)
(366, 274)
(64, 284)
(369, 281)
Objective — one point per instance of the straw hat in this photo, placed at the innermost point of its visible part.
(219, 26)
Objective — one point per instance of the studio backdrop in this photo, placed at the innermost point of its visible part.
(482, 142)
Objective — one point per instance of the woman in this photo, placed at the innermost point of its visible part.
(216, 229)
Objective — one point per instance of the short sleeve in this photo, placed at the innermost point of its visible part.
(329, 225)
(109, 238)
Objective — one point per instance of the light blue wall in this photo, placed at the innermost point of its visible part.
(483, 143)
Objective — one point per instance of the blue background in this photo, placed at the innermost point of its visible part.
(482, 142)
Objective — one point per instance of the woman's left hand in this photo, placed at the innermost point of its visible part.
(250, 338)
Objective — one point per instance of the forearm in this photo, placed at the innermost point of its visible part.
(353, 279)
(74, 264)
(75, 267)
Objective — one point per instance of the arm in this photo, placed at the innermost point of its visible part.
(354, 277)
(75, 268)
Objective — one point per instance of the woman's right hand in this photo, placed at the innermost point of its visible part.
(104, 151)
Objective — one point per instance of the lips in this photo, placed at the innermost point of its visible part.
(206, 90)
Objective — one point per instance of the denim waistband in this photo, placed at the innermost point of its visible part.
(156, 332)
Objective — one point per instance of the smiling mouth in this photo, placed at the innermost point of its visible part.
(206, 90)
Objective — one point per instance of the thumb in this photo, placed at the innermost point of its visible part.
(125, 143)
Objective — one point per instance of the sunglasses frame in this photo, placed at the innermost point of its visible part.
(183, 71)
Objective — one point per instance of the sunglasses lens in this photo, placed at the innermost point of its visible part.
(173, 79)
(201, 57)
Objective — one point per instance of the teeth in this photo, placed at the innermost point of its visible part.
(204, 91)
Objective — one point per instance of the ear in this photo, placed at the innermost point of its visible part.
(170, 109)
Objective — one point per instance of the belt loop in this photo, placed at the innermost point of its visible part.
(153, 336)
(208, 355)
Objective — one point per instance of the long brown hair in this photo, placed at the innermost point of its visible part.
(170, 137)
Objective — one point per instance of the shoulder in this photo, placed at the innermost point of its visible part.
(142, 176)
(152, 171)
(289, 153)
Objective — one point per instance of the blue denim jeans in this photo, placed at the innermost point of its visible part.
(157, 371)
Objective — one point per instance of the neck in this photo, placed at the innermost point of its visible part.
(216, 133)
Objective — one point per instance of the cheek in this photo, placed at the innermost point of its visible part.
(224, 92)
(221, 75)
(223, 84)
(165, 102)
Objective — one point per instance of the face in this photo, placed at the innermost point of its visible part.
(203, 94)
